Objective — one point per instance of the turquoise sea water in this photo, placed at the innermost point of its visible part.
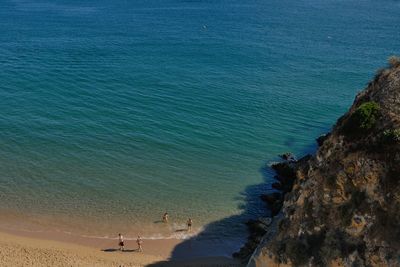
(112, 112)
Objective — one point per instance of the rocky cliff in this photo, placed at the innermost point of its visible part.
(342, 205)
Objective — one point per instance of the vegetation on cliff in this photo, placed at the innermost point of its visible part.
(342, 206)
(363, 118)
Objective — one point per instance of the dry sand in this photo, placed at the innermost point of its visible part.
(17, 250)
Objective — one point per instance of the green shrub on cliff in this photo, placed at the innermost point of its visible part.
(363, 119)
(365, 115)
(392, 135)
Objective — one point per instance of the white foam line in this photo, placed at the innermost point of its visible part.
(181, 236)
(176, 235)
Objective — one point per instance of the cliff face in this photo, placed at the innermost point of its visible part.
(344, 206)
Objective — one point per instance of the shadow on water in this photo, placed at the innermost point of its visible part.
(224, 237)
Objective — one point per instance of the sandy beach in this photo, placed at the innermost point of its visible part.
(23, 249)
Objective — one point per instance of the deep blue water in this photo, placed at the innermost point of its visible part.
(112, 112)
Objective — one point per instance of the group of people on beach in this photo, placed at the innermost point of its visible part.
(121, 243)
(139, 240)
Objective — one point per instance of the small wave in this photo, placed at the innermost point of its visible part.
(178, 234)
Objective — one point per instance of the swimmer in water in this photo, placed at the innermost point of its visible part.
(165, 217)
(189, 224)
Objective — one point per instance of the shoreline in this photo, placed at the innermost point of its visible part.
(21, 248)
(154, 230)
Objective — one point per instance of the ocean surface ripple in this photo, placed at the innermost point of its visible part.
(113, 112)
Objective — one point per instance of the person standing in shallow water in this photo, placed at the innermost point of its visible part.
(189, 224)
(121, 242)
(165, 217)
(139, 242)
